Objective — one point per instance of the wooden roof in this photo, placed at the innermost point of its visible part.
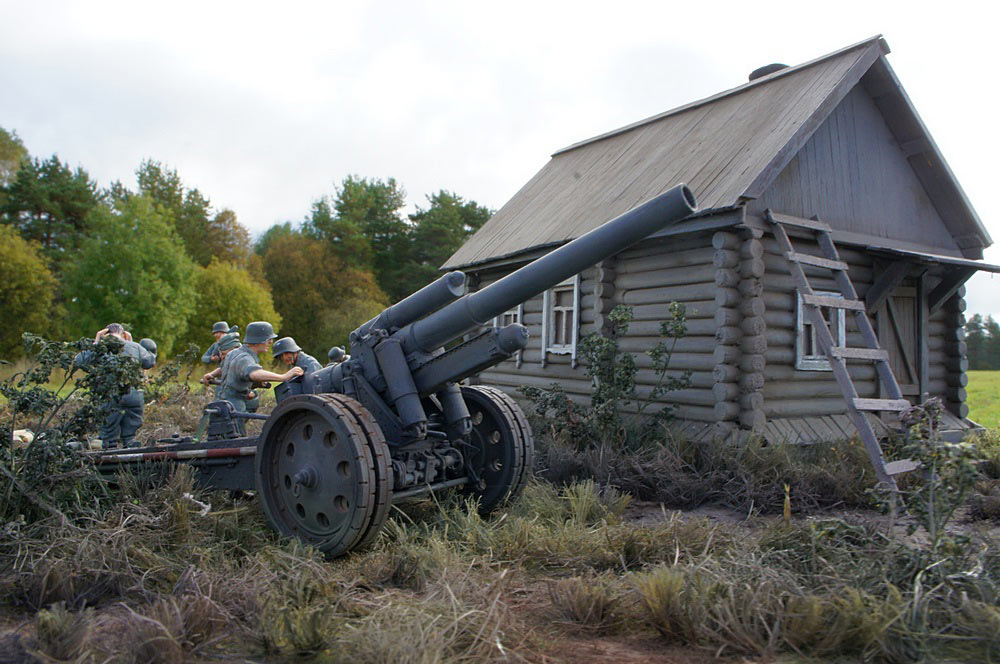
(727, 148)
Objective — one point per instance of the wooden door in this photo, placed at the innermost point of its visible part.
(897, 325)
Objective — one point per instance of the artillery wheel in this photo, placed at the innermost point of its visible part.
(503, 449)
(322, 472)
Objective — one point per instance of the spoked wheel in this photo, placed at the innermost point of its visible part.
(323, 472)
(503, 448)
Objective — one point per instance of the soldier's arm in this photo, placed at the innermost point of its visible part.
(146, 359)
(210, 355)
(262, 375)
(211, 375)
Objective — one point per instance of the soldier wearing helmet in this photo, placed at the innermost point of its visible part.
(286, 350)
(124, 414)
(243, 367)
(218, 330)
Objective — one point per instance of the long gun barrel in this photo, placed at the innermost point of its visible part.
(473, 310)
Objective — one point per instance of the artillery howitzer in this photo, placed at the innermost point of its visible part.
(392, 422)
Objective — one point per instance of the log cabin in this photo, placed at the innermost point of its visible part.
(823, 203)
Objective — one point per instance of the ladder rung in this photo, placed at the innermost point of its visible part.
(901, 466)
(808, 259)
(786, 220)
(833, 302)
(881, 404)
(876, 354)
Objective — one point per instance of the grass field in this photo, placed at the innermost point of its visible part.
(984, 398)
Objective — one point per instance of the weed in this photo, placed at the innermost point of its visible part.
(62, 634)
(590, 602)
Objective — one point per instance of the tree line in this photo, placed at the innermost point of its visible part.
(162, 259)
(982, 335)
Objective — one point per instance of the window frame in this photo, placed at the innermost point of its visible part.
(515, 315)
(803, 327)
(548, 320)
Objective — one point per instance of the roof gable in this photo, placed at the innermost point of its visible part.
(728, 148)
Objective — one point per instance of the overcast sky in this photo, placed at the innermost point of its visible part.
(264, 109)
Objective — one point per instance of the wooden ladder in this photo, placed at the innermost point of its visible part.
(839, 355)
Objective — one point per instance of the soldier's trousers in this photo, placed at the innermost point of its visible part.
(123, 420)
(239, 405)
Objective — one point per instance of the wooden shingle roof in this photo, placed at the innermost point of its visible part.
(727, 148)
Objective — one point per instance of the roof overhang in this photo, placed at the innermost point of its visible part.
(701, 222)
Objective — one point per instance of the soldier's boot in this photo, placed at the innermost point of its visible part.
(131, 418)
(111, 429)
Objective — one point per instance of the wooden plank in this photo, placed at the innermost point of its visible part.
(901, 466)
(952, 281)
(887, 283)
(876, 354)
(833, 302)
(798, 222)
(923, 316)
(880, 404)
(807, 259)
(901, 343)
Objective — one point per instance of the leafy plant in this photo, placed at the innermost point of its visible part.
(614, 390)
(57, 401)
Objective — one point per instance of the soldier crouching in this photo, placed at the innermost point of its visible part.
(242, 368)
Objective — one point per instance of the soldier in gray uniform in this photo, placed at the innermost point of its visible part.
(227, 344)
(212, 355)
(124, 413)
(243, 367)
(336, 355)
(286, 350)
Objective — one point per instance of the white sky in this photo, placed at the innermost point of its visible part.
(265, 109)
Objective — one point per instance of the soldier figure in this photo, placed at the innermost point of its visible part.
(227, 343)
(286, 350)
(212, 355)
(124, 413)
(243, 367)
(336, 355)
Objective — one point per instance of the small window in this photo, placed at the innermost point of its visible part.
(561, 319)
(510, 317)
(809, 355)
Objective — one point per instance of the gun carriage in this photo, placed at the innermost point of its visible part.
(393, 422)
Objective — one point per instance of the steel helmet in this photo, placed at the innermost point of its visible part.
(259, 332)
(284, 345)
(221, 326)
(336, 354)
(148, 344)
(229, 341)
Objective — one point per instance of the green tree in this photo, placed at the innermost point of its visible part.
(228, 240)
(27, 289)
(977, 341)
(319, 297)
(268, 237)
(132, 269)
(437, 233)
(49, 203)
(373, 208)
(12, 155)
(226, 291)
(344, 235)
(206, 235)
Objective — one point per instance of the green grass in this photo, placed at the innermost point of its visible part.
(984, 398)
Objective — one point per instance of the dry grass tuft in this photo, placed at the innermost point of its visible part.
(61, 634)
(589, 602)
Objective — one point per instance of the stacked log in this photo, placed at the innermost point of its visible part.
(753, 345)
(956, 362)
(604, 295)
(728, 335)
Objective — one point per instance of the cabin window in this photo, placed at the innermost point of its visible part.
(509, 317)
(561, 319)
(809, 355)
